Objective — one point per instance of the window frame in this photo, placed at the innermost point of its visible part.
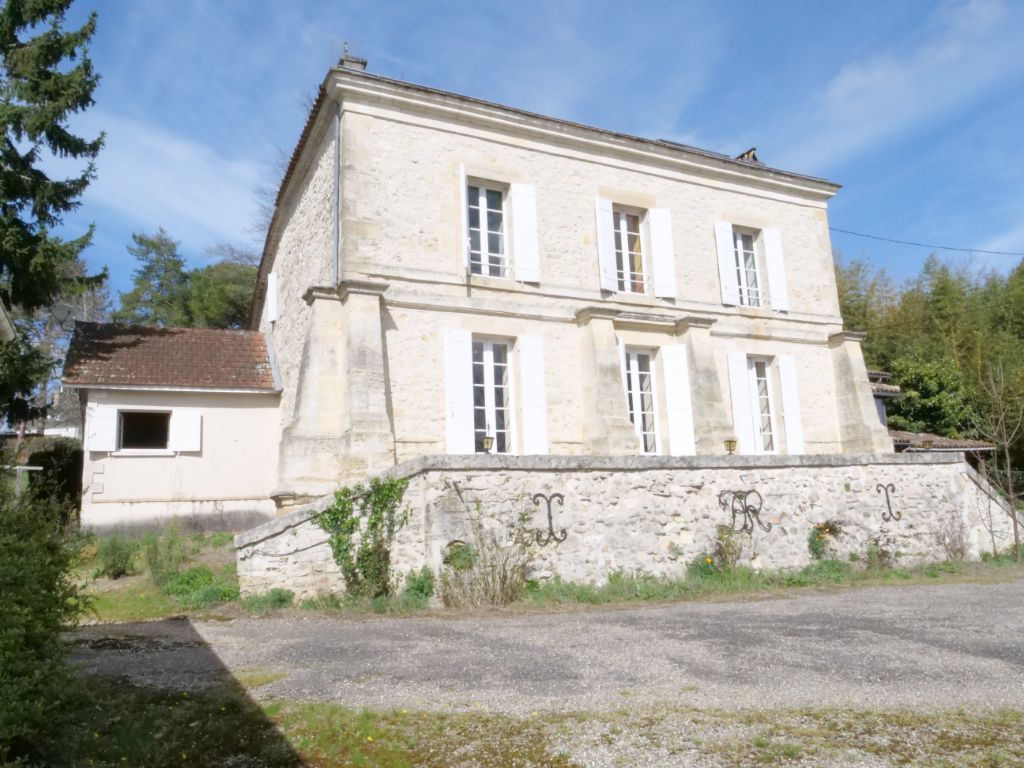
(743, 287)
(123, 449)
(619, 217)
(489, 407)
(484, 186)
(753, 361)
(632, 374)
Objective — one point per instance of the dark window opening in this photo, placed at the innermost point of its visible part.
(144, 429)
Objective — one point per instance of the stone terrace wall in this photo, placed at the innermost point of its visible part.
(652, 514)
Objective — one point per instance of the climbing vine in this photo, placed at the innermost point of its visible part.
(362, 524)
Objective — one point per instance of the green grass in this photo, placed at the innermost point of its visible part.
(120, 724)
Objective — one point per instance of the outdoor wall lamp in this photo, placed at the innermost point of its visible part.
(488, 442)
(730, 445)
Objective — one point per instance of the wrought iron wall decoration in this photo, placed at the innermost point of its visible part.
(888, 488)
(542, 537)
(745, 506)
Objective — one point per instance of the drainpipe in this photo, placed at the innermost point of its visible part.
(336, 217)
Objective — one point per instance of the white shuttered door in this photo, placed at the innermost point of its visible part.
(727, 263)
(186, 434)
(677, 400)
(458, 391)
(791, 405)
(663, 257)
(606, 243)
(742, 414)
(778, 294)
(526, 252)
(534, 402)
(100, 427)
(464, 234)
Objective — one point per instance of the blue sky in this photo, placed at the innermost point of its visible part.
(915, 107)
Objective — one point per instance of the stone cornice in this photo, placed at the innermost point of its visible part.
(843, 336)
(361, 287)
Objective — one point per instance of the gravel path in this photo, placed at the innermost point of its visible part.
(922, 647)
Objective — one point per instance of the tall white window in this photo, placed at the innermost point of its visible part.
(486, 214)
(640, 399)
(761, 395)
(491, 396)
(629, 252)
(747, 278)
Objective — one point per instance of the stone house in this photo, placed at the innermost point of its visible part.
(444, 275)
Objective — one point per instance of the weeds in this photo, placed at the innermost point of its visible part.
(271, 600)
(117, 557)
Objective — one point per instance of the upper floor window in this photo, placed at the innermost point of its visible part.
(751, 267)
(748, 279)
(486, 217)
(629, 252)
(761, 394)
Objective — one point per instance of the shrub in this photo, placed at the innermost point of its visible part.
(362, 524)
(117, 557)
(188, 581)
(728, 547)
(61, 478)
(164, 553)
(822, 538)
(419, 587)
(269, 601)
(880, 553)
(40, 600)
(495, 569)
(952, 537)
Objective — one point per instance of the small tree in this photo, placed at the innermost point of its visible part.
(160, 289)
(1002, 423)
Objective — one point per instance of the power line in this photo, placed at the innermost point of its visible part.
(925, 245)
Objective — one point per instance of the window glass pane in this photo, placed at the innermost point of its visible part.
(500, 354)
(474, 216)
(144, 430)
(493, 199)
(494, 221)
(494, 244)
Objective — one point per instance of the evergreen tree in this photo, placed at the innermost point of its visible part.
(46, 77)
(220, 294)
(160, 285)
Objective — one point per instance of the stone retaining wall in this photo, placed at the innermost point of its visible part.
(654, 514)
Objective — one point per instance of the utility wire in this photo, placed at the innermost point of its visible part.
(925, 245)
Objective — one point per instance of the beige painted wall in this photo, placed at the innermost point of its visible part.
(225, 484)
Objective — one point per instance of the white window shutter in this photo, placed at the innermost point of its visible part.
(727, 262)
(534, 401)
(464, 218)
(791, 404)
(186, 433)
(677, 400)
(663, 259)
(458, 391)
(100, 427)
(742, 414)
(606, 244)
(622, 370)
(526, 251)
(777, 293)
(272, 297)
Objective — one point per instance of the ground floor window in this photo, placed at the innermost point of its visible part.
(144, 430)
(640, 398)
(761, 392)
(491, 396)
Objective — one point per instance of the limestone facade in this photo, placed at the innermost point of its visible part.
(373, 348)
(655, 514)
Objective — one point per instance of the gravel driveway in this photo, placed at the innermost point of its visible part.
(922, 647)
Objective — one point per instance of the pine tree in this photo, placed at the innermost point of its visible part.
(160, 285)
(46, 78)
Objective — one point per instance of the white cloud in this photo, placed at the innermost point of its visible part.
(149, 175)
(966, 50)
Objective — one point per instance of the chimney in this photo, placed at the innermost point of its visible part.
(348, 61)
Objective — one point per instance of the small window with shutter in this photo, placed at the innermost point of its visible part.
(143, 430)
(486, 227)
